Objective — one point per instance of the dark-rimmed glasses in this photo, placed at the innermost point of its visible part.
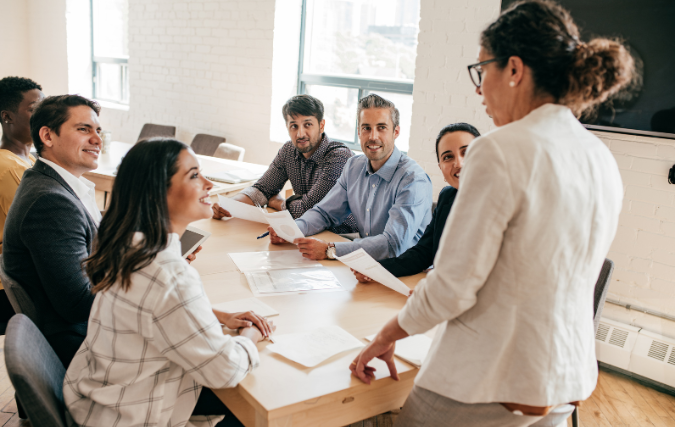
(476, 71)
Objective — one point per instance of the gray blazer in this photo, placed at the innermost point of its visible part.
(48, 233)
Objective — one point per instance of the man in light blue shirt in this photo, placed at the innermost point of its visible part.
(388, 193)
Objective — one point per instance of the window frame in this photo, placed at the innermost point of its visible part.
(97, 60)
(364, 85)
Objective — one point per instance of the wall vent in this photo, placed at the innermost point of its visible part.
(658, 351)
(671, 359)
(603, 331)
(618, 337)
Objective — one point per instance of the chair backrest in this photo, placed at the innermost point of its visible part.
(230, 151)
(17, 296)
(36, 373)
(600, 293)
(206, 145)
(151, 130)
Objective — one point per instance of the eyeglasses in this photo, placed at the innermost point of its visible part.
(476, 71)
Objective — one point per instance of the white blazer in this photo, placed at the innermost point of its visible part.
(517, 263)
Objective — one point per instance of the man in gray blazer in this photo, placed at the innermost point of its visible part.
(53, 220)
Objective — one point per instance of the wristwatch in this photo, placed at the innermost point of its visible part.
(330, 251)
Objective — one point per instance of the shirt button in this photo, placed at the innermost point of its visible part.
(373, 185)
(367, 210)
(366, 234)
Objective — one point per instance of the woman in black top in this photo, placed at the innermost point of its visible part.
(451, 145)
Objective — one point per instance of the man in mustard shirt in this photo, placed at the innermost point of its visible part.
(18, 98)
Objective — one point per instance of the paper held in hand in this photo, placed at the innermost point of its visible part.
(242, 210)
(412, 349)
(311, 348)
(360, 261)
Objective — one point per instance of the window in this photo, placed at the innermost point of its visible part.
(352, 48)
(110, 50)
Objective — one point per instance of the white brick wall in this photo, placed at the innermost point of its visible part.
(203, 66)
(644, 248)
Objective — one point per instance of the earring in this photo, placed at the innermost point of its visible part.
(512, 84)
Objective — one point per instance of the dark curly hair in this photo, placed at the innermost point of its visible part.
(12, 90)
(53, 111)
(577, 74)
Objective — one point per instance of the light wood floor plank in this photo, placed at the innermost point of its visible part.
(591, 414)
(640, 403)
(630, 405)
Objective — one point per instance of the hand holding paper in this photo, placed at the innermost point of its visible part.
(360, 261)
(242, 210)
(284, 225)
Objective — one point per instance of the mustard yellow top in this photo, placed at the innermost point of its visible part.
(12, 168)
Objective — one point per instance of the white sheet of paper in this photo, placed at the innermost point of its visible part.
(412, 349)
(360, 261)
(292, 280)
(284, 225)
(242, 210)
(247, 304)
(311, 348)
(270, 260)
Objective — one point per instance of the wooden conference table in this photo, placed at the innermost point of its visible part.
(281, 392)
(104, 176)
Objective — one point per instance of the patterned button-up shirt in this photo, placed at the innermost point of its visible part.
(149, 351)
(311, 178)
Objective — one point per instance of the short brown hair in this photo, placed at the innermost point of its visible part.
(53, 112)
(577, 74)
(376, 101)
(303, 105)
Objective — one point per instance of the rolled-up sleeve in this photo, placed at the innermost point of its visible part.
(470, 244)
(330, 212)
(410, 212)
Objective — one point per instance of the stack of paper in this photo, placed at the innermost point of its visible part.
(360, 261)
(413, 349)
(311, 348)
(233, 176)
(274, 272)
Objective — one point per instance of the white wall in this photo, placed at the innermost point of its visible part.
(644, 248)
(203, 66)
(14, 24)
(207, 67)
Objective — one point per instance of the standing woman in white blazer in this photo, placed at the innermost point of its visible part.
(512, 288)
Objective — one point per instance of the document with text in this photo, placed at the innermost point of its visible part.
(311, 348)
(284, 225)
(360, 261)
(413, 349)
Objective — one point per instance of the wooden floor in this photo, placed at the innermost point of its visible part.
(616, 402)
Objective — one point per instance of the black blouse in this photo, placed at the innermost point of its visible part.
(421, 256)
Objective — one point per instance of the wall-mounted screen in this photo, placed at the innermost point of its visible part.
(648, 28)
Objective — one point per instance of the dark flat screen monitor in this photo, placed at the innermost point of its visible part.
(648, 28)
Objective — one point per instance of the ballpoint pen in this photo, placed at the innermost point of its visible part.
(265, 234)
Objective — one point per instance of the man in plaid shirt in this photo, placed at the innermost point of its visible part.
(310, 160)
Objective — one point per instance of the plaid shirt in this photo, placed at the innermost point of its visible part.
(149, 351)
(311, 178)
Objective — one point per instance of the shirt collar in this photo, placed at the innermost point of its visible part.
(81, 186)
(319, 153)
(386, 172)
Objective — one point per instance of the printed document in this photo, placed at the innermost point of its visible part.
(291, 280)
(270, 260)
(413, 349)
(311, 348)
(242, 210)
(247, 304)
(360, 261)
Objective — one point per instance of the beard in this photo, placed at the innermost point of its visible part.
(311, 146)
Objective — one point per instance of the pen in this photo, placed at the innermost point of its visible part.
(265, 234)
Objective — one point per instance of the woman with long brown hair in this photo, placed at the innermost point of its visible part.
(153, 340)
(512, 288)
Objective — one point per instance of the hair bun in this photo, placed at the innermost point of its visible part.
(600, 69)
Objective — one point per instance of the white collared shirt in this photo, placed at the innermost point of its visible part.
(512, 287)
(83, 188)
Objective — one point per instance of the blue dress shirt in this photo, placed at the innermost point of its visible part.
(392, 206)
